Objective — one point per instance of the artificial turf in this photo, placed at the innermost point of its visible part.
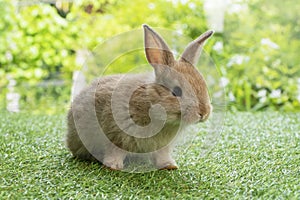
(257, 156)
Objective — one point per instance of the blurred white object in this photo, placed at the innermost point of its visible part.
(215, 12)
(79, 83)
(298, 97)
(231, 96)
(218, 47)
(12, 97)
(236, 6)
(238, 59)
(262, 93)
(224, 81)
(275, 94)
(268, 42)
(79, 80)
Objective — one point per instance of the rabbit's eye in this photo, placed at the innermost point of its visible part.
(177, 92)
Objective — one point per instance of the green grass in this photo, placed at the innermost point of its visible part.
(257, 156)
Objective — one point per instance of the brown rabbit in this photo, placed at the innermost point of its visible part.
(140, 113)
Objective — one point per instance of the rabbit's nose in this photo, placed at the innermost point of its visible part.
(203, 117)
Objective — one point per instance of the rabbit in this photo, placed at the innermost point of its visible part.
(140, 113)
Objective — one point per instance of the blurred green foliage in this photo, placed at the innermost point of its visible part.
(258, 53)
(262, 55)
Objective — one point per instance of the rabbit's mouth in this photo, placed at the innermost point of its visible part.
(187, 118)
(191, 116)
(201, 120)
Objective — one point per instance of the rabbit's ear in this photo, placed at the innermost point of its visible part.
(192, 52)
(157, 51)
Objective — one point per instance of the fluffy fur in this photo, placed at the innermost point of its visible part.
(139, 113)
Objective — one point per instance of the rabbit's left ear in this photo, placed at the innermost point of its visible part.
(192, 52)
(157, 51)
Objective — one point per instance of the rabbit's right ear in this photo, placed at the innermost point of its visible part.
(192, 52)
(157, 51)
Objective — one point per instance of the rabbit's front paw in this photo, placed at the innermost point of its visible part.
(169, 167)
(164, 160)
(113, 163)
(168, 164)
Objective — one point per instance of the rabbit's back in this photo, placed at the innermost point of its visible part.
(81, 116)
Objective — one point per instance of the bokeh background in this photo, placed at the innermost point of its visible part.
(43, 44)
